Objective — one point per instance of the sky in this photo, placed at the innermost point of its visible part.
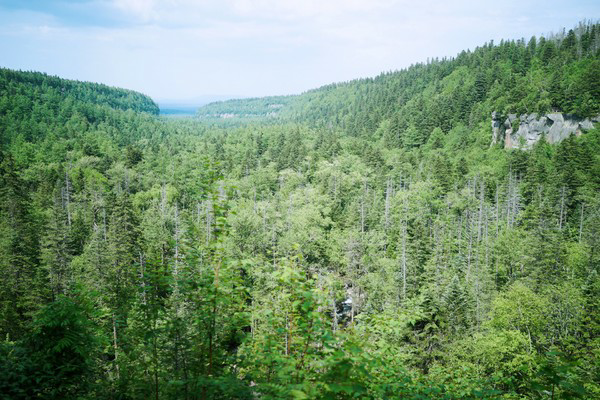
(188, 50)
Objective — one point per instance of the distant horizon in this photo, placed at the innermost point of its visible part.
(187, 50)
(197, 101)
(194, 101)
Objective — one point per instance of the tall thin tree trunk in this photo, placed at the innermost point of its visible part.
(274, 245)
(509, 192)
(562, 207)
(334, 312)
(388, 195)
(581, 222)
(497, 213)
(362, 215)
(115, 346)
(104, 223)
(68, 195)
(176, 264)
(143, 278)
(207, 207)
(480, 218)
(470, 244)
(287, 332)
(353, 291)
(155, 355)
(404, 232)
(213, 322)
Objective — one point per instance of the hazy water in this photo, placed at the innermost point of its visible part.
(178, 111)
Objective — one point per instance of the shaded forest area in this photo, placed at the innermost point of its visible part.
(365, 241)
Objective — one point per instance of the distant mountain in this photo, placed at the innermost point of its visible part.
(557, 72)
(258, 107)
(188, 107)
(30, 86)
(34, 106)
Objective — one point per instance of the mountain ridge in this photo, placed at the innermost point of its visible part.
(559, 72)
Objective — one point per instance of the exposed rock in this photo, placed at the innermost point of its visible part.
(531, 127)
(586, 125)
(497, 125)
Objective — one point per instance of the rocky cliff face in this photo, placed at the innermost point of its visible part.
(525, 130)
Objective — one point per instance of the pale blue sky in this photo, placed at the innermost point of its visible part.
(184, 49)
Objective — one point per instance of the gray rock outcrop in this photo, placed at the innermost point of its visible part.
(527, 129)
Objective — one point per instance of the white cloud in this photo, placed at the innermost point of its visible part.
(290, 9)
(186, 48)
(144, 10)
(185, 12)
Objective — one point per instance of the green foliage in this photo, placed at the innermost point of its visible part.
(57, 359)
(294, 352)
(557, 378)
(361, 240)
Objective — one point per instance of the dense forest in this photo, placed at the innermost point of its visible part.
(361, 240)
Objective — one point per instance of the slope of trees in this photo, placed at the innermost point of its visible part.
(302, 257)
(245, 108)
(34, 105)
(538, 75)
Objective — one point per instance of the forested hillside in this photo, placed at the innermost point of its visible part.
(561, 72)
(365, 241)
(261, 107)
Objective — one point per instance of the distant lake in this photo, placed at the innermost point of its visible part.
(178, 111)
